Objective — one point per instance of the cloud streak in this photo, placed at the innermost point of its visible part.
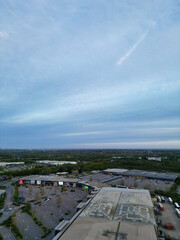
(81, 134)
(131, 50)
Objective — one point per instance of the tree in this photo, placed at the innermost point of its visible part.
(122, 182)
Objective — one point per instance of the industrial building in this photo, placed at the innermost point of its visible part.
(5, 164)
(154, 159)
(115, 171)
(112, 214)
(55, 163)
(143, 174)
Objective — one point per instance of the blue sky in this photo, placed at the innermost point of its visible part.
(89, 74)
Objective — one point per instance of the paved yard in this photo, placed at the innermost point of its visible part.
(169, 216)
(149, 184)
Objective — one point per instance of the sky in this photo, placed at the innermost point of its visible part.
(90, 74)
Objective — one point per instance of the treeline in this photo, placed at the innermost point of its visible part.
(30, 156)
(40, 170)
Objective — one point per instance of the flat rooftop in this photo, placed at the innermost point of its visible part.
(157, 175)
(51, 178)
(115, 170)
(115, 214)
(143, 173)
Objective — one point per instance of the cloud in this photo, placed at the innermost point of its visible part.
(81, 133)
(4, 35)
(172, 144)
(131, 50)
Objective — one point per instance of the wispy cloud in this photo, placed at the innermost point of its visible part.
(4, 35)
(131, 50)
(86, 93)
(81, 133)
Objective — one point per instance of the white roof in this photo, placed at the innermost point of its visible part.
(116, 170)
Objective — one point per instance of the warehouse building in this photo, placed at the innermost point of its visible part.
(115, 171)
(5, 164)
(154, 159)
(113, 214)
(54, 163)
(143, 174)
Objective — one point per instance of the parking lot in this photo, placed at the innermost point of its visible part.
(99, 177)
(169, 216)
(6, 233)
(49, 204)
(149, 184)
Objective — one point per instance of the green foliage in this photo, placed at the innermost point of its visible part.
(135, 184)
(68, 212)
(10, 224)
(16, 196)
(89, 160)
(3, 187)
(63, 189)
(177, 181)
(122, 182)
(171, 192)
(27, 209)
(2, 200)
(1, 238)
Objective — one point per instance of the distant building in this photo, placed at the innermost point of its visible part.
(5, 164)
(115, 171)
(112, 214)
(55, 163)
(95, 171)
(154, 159)
(62, 173)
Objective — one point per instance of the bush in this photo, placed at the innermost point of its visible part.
(68, 212)
(10, 224)
(2, 199)
(1, 238)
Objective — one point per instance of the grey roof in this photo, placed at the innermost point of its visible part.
(147, 174)
(113, 212)
(143, 173)
(53, 178)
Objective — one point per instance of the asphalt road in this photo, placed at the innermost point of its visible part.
(8, 201)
